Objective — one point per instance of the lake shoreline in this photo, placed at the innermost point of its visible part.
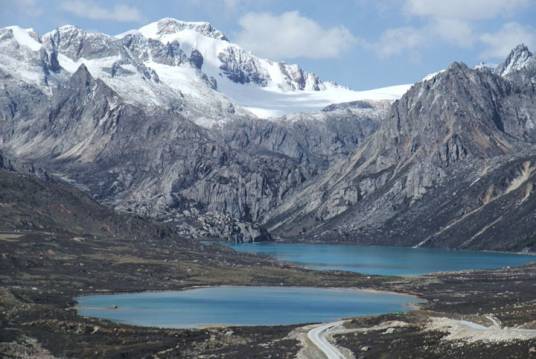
(381, 260)
(339, 242)
(39, 300)
(350, 302)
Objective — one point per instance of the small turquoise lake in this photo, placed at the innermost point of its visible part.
(383, 260)
(241, 306)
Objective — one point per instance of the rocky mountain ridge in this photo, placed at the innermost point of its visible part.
(112, 116)
(160, 164)
(88, 108)
(418, 180)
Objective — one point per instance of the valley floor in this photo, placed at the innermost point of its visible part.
(41, 273)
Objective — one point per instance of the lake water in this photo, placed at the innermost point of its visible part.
(241, 306)
(383, 260)
(279, 305)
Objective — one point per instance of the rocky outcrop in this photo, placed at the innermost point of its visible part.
(77, 43)
(239, 66)
(219, 226)
(32, 202)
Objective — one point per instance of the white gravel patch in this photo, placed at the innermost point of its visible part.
(472, 332)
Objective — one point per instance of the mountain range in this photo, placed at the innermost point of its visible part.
(175, 122)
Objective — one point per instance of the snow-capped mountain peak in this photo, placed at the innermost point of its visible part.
(169, 26)
(176, 64)
(265, 87)
(518, 58)
(24, 58)
(225, 59)
(24, 37)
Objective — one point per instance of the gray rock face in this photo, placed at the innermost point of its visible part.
(154, 163)
(239, 66)
(144, 49)
(17, 99)
(461, 126)
(196, 58)
(5, 163)
(317, 140)
(77, 43)
(299, 79)
(242, 67)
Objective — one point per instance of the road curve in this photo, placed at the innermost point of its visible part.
(317, 336)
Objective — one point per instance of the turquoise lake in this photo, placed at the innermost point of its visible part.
(383, 260)
(240, 306)
(280, 305)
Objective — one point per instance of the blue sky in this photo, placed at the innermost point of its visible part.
(359, 43)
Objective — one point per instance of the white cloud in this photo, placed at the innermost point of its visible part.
(464, 9)
(453, 31)
(500, 43)
(453, 22)
(26, 7)
(291, 35)
(397, 40)
(93, 11)
(230, 6)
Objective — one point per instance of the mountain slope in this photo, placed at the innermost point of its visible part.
(157, 164)
(94, 113)
(160, 164)
(33, 201)
(318, 139)
(408, 184)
